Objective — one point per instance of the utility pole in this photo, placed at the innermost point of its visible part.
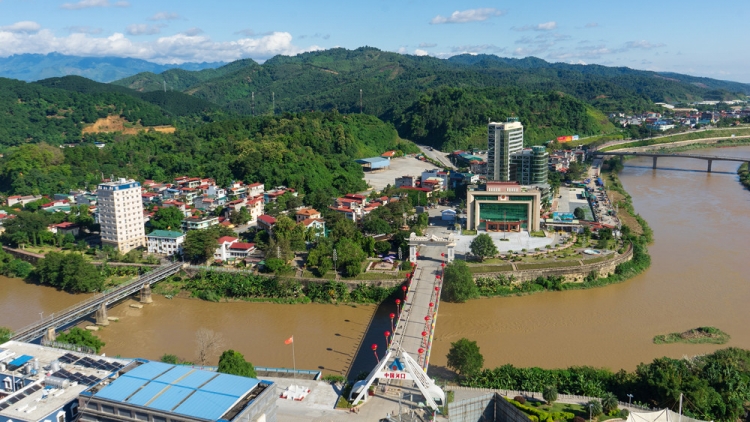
(252, 95)
(273, 100)
(360, 101)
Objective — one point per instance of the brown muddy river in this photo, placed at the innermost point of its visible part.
(699, 276)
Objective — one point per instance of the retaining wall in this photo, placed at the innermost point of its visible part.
(570, 274)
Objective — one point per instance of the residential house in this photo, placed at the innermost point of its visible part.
(256, 189)
(407, 181)
(199, 223)
(177, 204)
(23, 200)
(266, 222)
(307, 213)
(273, 194)
(316, 224)
(231, 249)
(165, 242)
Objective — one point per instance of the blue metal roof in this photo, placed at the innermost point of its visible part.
(21, 360)
(179, 389)
(375, 162)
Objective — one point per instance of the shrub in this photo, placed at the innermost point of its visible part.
(333, 378)
(550, 394)
(596, 407)
(624, 413)
(579, 419)
(520, 399)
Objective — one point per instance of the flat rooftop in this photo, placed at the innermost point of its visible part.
(181, 390)
(34, 398)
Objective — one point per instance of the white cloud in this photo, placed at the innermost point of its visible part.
(84, 30)
(22, 27)
(475, 49)
(143, 29)
(193, 31)
(427, 45)
(642, 44)
(178, 48)
(469, 15)
(419, 52)
(591, 25)
(164, 16)
(546, 26)
(402, 50)
(86, 4)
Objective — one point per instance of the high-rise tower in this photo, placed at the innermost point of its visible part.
(503, 139)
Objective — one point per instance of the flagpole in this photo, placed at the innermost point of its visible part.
(294, 361)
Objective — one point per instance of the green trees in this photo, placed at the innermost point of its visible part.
(81, 337)
(240, 217)
(200, 245)
(464, 357)
(579, 213)
(483, 246)
(167, 218)
(550, 394)
(5, 334)
(609, 403)
(458, 283)
(69, 272)
(233, 362)
(595, 406)
(349, 256)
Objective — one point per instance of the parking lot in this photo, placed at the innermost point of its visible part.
(402, 166)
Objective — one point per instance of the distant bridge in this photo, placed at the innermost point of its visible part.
(46, 326)
(656, 155)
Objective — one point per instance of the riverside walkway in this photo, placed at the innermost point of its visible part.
(46, 327)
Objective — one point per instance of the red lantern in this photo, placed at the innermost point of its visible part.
(437, 277)
(387, 334)
(431, 304)
(421, 350)
(442, 254)
(442, 264)
(427, 318)
(392, 315)
(424, 333)
(413, 265)
(398, 301)
(437, 288)
(417, 254)
(403, 288)
(374, 347)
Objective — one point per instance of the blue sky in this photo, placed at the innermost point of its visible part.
(689, 36)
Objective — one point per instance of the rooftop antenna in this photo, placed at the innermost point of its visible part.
(253, 106)
(360, 101)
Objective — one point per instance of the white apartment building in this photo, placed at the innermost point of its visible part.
(503, 139)
(165, 242)
(121, 214)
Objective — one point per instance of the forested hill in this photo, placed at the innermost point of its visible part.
(175, 103)
(33, 113)
(311, 152)
(456, 118)
(333, 78)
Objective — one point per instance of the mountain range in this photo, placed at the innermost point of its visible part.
(33, 67)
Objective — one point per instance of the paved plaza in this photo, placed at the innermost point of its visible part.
(401, 166)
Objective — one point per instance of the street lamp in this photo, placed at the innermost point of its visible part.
(591, 406)
(335, 256)
(630, 398)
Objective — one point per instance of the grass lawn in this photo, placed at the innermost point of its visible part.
(548, 264)
(477, 269)
(576, 409)
(469, 232)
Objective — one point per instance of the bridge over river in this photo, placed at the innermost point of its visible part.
(656, 155)
(408, 355)
(47, 326)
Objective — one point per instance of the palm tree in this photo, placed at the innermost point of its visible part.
(609, 402)
(550, 394)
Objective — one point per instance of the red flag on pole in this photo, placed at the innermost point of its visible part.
(290, 340)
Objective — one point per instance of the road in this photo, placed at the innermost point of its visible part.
(438, 156)
(627, 141)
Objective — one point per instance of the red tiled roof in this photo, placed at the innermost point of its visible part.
(306, 222)
(66, 225)
(267, 219)
(255, 184)
(242, 246)
(307, 211)
(226, 239)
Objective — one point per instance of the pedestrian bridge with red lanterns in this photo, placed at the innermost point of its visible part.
(413, 322)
